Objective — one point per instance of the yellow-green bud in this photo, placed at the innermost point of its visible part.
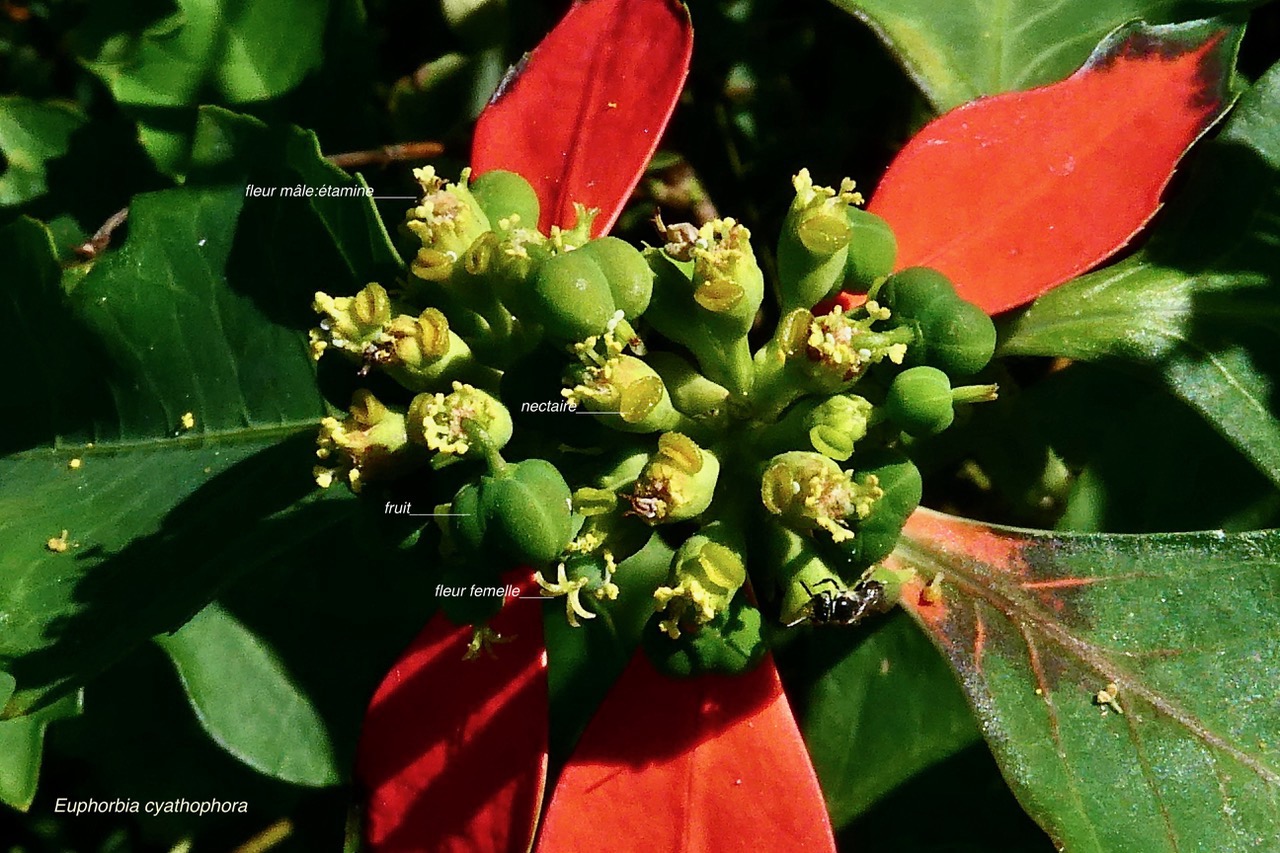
(705, 575)
(717, 341)
(808, 490)
(727, 281)
(369, 443)
(419, 352)
(609, 381)
(837, 423)
(464, 423)
(813, 248)
(678, 482)
(446, 223)
(350, 323)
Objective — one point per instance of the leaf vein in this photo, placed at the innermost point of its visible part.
(1148, 776)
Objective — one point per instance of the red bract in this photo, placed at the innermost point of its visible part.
(846, 300)
(1012, 195)
(581, 117)
(453, 755)
(712, 763)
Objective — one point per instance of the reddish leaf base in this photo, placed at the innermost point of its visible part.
(970, 538)
(453, 754)
(991, 564)
(583, 116)
(1015, 194)
(702, 765)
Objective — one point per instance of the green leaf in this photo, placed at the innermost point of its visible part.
(882, 709)
(165, 133)
(22, 747)
(1133, 445)
(957, 52)
(171, 53)
(31, 134)
(150, 333)
(138, 740)
(190, 315)
(335, 630)
(248, 702)
(1199, 304)
(153, 533)
(1179, 628)
(346, 244)
(1141, 453)
(172, 325)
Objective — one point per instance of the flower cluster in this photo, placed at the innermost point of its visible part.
(700, 434)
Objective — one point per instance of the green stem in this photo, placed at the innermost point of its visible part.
(727, 364)
(974, 393)
(478, 436)
(797, 569)
(777, 385)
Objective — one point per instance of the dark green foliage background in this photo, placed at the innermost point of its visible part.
(168, 107)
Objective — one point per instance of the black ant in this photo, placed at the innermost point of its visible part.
(842, 607)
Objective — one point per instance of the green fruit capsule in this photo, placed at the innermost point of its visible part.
(571, 297)
(912, 293)
(466, 522)
(629, 275)
(920, 401)
(873, 249)
(502, 194)
(963, 341)
(954, 335)
(877, 534)
(526, 511)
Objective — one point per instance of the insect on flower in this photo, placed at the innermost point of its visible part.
(843, 606)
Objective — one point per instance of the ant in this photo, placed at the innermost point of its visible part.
(842, 607)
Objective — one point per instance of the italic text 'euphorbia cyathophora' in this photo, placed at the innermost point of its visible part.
(746, 468)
